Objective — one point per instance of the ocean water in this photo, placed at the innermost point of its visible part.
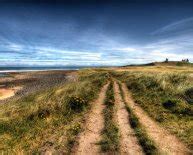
(25, 69)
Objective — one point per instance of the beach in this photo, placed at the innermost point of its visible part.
(14, 85)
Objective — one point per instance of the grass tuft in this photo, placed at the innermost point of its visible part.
(110, 135)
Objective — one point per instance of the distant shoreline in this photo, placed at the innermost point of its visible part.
(35, 70)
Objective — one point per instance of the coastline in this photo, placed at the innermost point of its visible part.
(30, 82)
(40, 70)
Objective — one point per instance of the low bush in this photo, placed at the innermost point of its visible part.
(169, 103)
(188, 95)
(40, 114)
(76, 104)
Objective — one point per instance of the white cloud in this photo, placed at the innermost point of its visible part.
(125, 49)
(15, 47)
(174, 26)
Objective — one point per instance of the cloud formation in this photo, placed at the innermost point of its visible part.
(90, 35)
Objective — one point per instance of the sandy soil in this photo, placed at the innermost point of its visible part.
(128, 141)
(166, 143)
(89, 138)
(8, 92)
(31, 82)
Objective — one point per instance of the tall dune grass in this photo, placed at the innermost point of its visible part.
(164, 97)
(49, 119)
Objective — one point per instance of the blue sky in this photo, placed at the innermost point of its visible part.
(90, 33)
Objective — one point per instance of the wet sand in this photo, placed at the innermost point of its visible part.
(18, 84)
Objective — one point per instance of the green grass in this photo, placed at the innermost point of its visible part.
(51, 118)
(110, 135)
(164, 96)
(144, 140)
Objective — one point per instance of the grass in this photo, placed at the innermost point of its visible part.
(166, 97)
(49, 119)
(110, 135)
(53, 118)
(146, 143)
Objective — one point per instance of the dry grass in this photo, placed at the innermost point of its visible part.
(110, 134)
(157, 69)
(47, 120)
(51, 119)
(145, 141)
(162, 95)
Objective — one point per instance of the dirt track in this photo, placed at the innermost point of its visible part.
(128, 141)
(91, 135)
(166, 143)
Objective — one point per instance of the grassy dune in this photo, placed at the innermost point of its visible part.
(49, 119)
(167, 97)
(52, 119)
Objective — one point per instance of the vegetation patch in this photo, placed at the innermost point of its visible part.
(170, 103)
(162, 96)
(76, 104)
(188, 95)
(110, 135)
(48, 117)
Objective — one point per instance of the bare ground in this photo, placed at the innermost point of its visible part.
(31, 82)
(8, 92)
(166, 143)
(128, 141)
(89, 138)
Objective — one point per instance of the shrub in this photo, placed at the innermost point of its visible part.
(169, 103)
(76, 104)
(44, 113)
(75, 129)
(41, 113)
(189, 95)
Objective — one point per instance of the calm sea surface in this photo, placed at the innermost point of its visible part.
(4, 70)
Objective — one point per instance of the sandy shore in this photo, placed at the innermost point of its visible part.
(8, 92)
(18, 84)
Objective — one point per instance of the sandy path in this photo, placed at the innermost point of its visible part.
(166, 143)
(94, 125)
(128, 142)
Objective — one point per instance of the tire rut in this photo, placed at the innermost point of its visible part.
(88, 139)
(166, 143)
(128, 141)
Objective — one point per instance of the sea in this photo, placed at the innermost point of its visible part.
(5, 70)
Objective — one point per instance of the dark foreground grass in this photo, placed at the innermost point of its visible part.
(49, 120)
(110, 136)
(146, 143)
(167, 97)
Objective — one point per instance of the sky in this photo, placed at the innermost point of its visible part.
(94, 33)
